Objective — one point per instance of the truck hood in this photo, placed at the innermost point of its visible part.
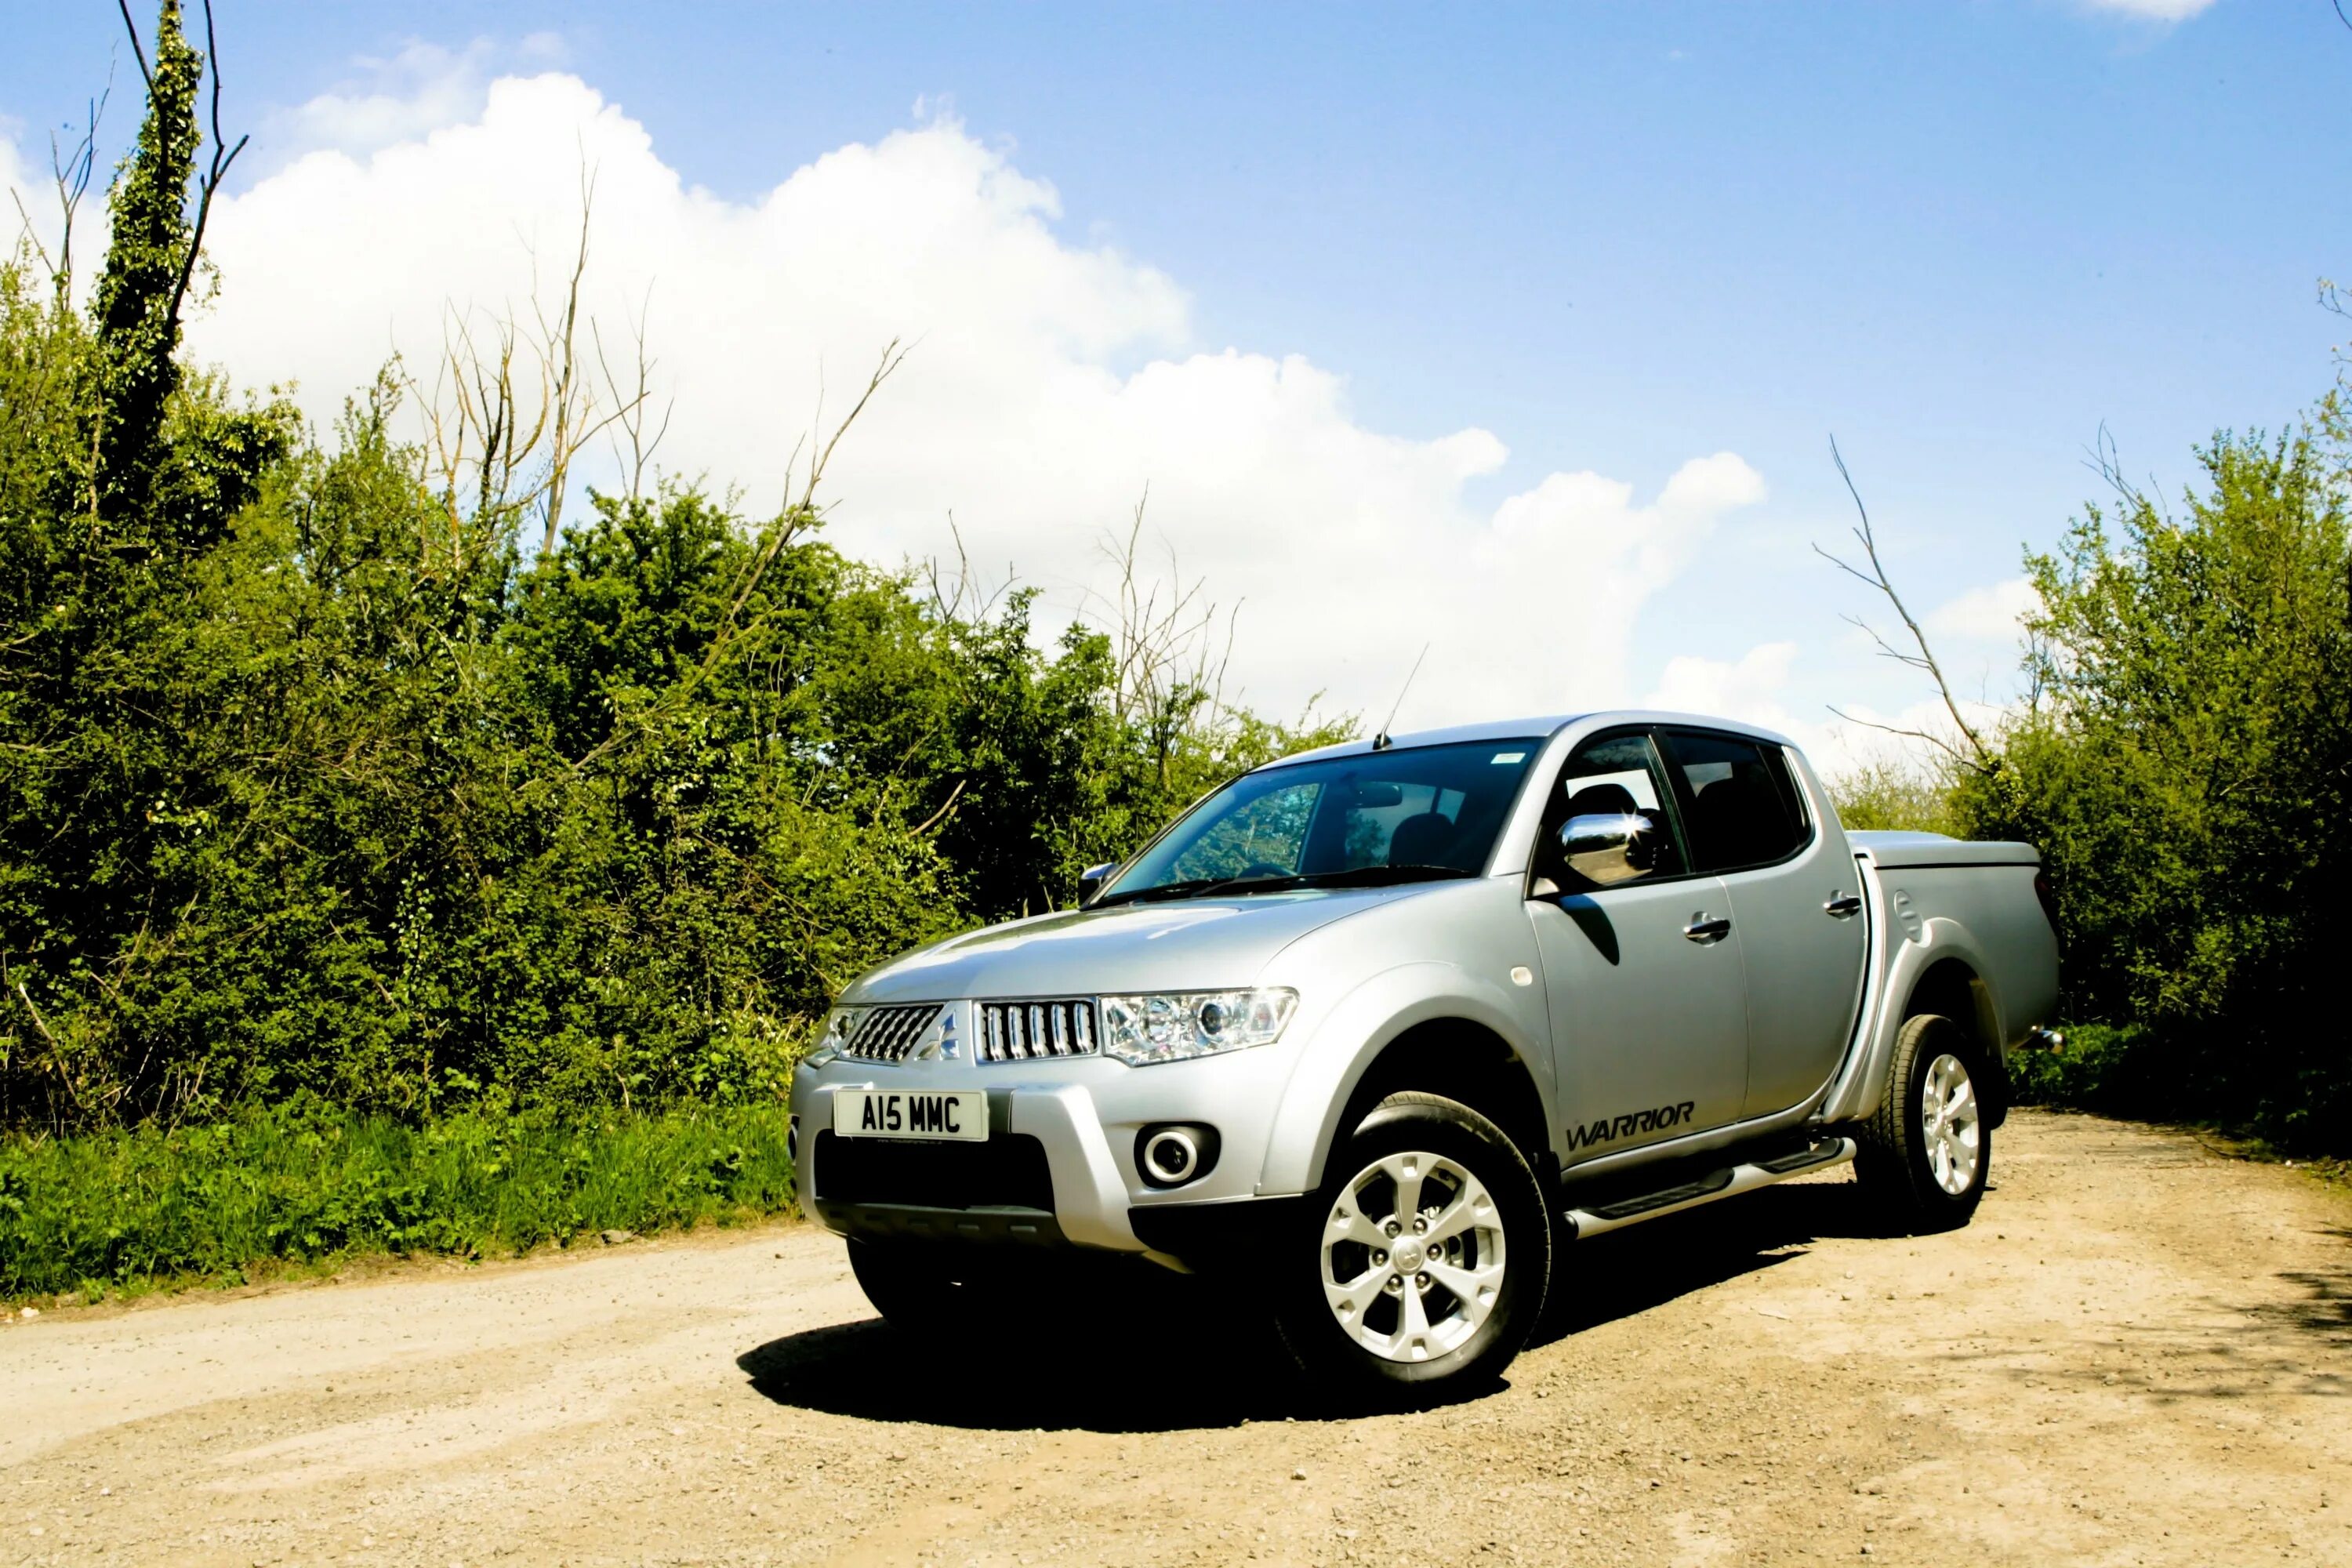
(1189, 944)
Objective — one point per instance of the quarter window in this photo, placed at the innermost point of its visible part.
(1737, 799)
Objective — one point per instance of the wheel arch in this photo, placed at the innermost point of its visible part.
(1423, 1027)
(1463, 1060)
(1954, 989)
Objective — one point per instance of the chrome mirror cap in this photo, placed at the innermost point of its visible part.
(1590, 834)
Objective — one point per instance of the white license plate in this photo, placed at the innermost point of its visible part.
(960, 1114)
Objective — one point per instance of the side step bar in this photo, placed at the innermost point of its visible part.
(1729, 1182)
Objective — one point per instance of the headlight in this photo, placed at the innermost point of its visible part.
(1174, 1025)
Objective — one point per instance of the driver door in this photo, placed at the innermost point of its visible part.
(1643, 975)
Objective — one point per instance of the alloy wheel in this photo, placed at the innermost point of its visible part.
(1951, 1119)
(1412, 1256)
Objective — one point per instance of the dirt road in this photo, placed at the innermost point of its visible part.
(2140, 1352)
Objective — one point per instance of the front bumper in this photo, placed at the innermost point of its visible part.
(1059, 1167)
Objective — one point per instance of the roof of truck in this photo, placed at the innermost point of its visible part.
(1542, 728)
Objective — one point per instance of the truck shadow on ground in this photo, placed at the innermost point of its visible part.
(1631, 1271)
(1154, 1351)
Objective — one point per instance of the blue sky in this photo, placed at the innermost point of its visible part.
(1963, 237)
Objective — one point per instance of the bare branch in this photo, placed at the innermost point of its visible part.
(1935, 741)
(1885, 650)
(893, 356)
(1925, 659)
(564, 400)
(137, 53)
(39, 249)
(787, 527)
(628, 415)
(942, 814)
(1169, 667)
(70, 173)
(223, 156)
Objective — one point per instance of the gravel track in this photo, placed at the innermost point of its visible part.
(2140, 1352)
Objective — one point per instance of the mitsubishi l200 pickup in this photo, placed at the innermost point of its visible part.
(1381, 1031)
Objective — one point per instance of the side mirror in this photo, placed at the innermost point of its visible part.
(1091, 881)
(1609, 846)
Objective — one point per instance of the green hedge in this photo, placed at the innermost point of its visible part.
(305, 1185)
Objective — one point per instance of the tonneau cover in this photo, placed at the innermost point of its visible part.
(1898, 849)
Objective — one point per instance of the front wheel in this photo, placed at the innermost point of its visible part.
(1923, 1158)
(1423, 1259)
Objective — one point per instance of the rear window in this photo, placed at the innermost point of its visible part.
(1738, 801)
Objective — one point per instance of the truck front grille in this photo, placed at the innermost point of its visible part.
(888, 1034)
(1024, 1031)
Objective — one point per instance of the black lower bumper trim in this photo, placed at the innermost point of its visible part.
(912, 1222)
(1208, 1235)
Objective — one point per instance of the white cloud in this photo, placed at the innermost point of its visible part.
(16, 184)
(1992, 613)
(1051, 382)
(2154, 10)
(1748, 687)
(399, 98)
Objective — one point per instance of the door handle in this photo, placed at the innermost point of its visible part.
(1842, 906)
(1703, 929)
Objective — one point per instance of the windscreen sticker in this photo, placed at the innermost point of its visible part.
(1509, 757)
(1609, 1130)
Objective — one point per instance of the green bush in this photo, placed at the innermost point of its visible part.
(2099, 1068)
(308, 1184)
(1890, 796)
(2188, 775)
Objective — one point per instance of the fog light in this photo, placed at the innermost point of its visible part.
(793, 1141)
(1170, 1155)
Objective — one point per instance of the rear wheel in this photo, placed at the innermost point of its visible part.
(1924, 1157)
(1422, 1265)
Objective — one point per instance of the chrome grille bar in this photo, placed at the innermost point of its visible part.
(1029, 1031)
(888, 1034)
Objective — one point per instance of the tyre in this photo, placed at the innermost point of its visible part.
(1922, 1159)
(1420, 1266)
(924, 1287)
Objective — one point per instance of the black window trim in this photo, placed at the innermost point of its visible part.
(1679, 785)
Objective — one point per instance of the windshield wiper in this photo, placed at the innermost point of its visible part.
(1354, 877)
(1183, 890)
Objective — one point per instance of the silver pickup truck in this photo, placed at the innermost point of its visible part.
(1376, 1031)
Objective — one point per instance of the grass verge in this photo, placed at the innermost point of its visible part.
(129, 1210)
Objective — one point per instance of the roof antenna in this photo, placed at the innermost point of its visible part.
(1380, 741)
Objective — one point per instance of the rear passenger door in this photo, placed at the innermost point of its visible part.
(1790, 879)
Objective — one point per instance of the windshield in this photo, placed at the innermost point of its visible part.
(1378, 817)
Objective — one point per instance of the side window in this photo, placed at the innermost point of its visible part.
(1605, 822)
(1737, 799)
